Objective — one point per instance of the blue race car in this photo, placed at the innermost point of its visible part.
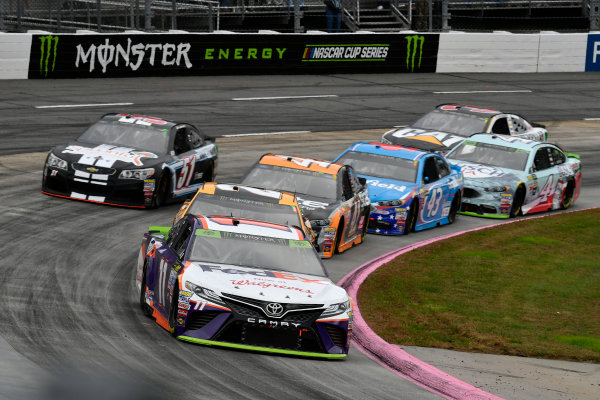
(410, 189)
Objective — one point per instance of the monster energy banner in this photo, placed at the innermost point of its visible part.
(122, 55)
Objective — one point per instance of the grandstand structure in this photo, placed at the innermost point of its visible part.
(298, 15)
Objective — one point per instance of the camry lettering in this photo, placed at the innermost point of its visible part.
(272, 324)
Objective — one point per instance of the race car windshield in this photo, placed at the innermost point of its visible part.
(456, 123)
(381, 166)
(293, 180)
(206, 204)
(490, 154)
(135, 136)
(254, 251)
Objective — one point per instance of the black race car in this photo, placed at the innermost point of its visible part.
(131, 160)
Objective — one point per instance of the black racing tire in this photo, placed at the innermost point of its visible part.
(146, 309)
(517, 203)
(567, 198)
(160, 193)
(363, 235)
(173, 310)
(454, 208)
(411, 219)
(338, 237)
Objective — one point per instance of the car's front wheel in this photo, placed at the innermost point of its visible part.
(454, 208)
(146, 309)
(173, 311)
(518, 200)
(411, 219)
(160, 193)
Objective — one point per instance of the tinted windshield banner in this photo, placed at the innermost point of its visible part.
(121, 55)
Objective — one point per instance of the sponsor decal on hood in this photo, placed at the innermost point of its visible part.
(436, 137)
(471, 170)
(381, 189)
(109, 154)
(263, 284)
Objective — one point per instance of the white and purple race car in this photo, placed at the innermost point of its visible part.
(243, 284)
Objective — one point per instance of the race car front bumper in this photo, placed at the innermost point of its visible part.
(387, 220)
(113, 191)
(243, 328)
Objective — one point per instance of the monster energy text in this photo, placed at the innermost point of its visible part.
(414, 42)
(48, 46)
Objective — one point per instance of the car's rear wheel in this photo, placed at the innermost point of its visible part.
(454, 207)
(567, 198)
(146, 309)
(160, 193)
(411, 220)
(518, 200)
(173, 311)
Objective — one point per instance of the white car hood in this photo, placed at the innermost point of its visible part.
(266, 285)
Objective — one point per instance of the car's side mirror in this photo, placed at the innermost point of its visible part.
(160, 230)
(363, 181)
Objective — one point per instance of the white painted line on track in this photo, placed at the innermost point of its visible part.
(85, 105)
(283, 97)
(591, 119)
(485, 91)
(264, 133)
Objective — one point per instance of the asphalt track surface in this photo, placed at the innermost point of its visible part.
(70, 323)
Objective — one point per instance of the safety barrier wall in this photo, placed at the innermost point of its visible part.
(40, 55)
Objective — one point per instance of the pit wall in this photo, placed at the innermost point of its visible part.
(43, 55)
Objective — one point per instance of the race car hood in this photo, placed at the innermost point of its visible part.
(432, 140)
(474, 173)
(316, 207)
(381, 189)
(264, 285)
(106, 155)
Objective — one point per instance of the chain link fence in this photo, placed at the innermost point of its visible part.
(297, 15)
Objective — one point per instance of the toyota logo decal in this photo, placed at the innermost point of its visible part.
(274, 309)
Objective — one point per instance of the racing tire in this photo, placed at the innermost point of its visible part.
(338, 237)
(160, 194)
(173, 311)
(518, 200)
(567, 198)
(363, 235)
(146, 309)
(411, 220)
(454, 208)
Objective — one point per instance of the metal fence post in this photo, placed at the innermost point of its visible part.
(594, 15)
(445, 16)
(2, 13)
(173, 14)
(430, 16)
(297, 17)
(99, 15)
(148, 16)
(19, 14)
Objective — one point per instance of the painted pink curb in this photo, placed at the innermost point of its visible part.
(391, 356)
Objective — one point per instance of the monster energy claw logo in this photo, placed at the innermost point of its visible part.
(414, 41)
(49, 45)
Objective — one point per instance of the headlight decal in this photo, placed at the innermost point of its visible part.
(140, 174)
(57, 162)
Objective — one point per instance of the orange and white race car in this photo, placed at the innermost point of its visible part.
(331, 196)
(241, 201)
